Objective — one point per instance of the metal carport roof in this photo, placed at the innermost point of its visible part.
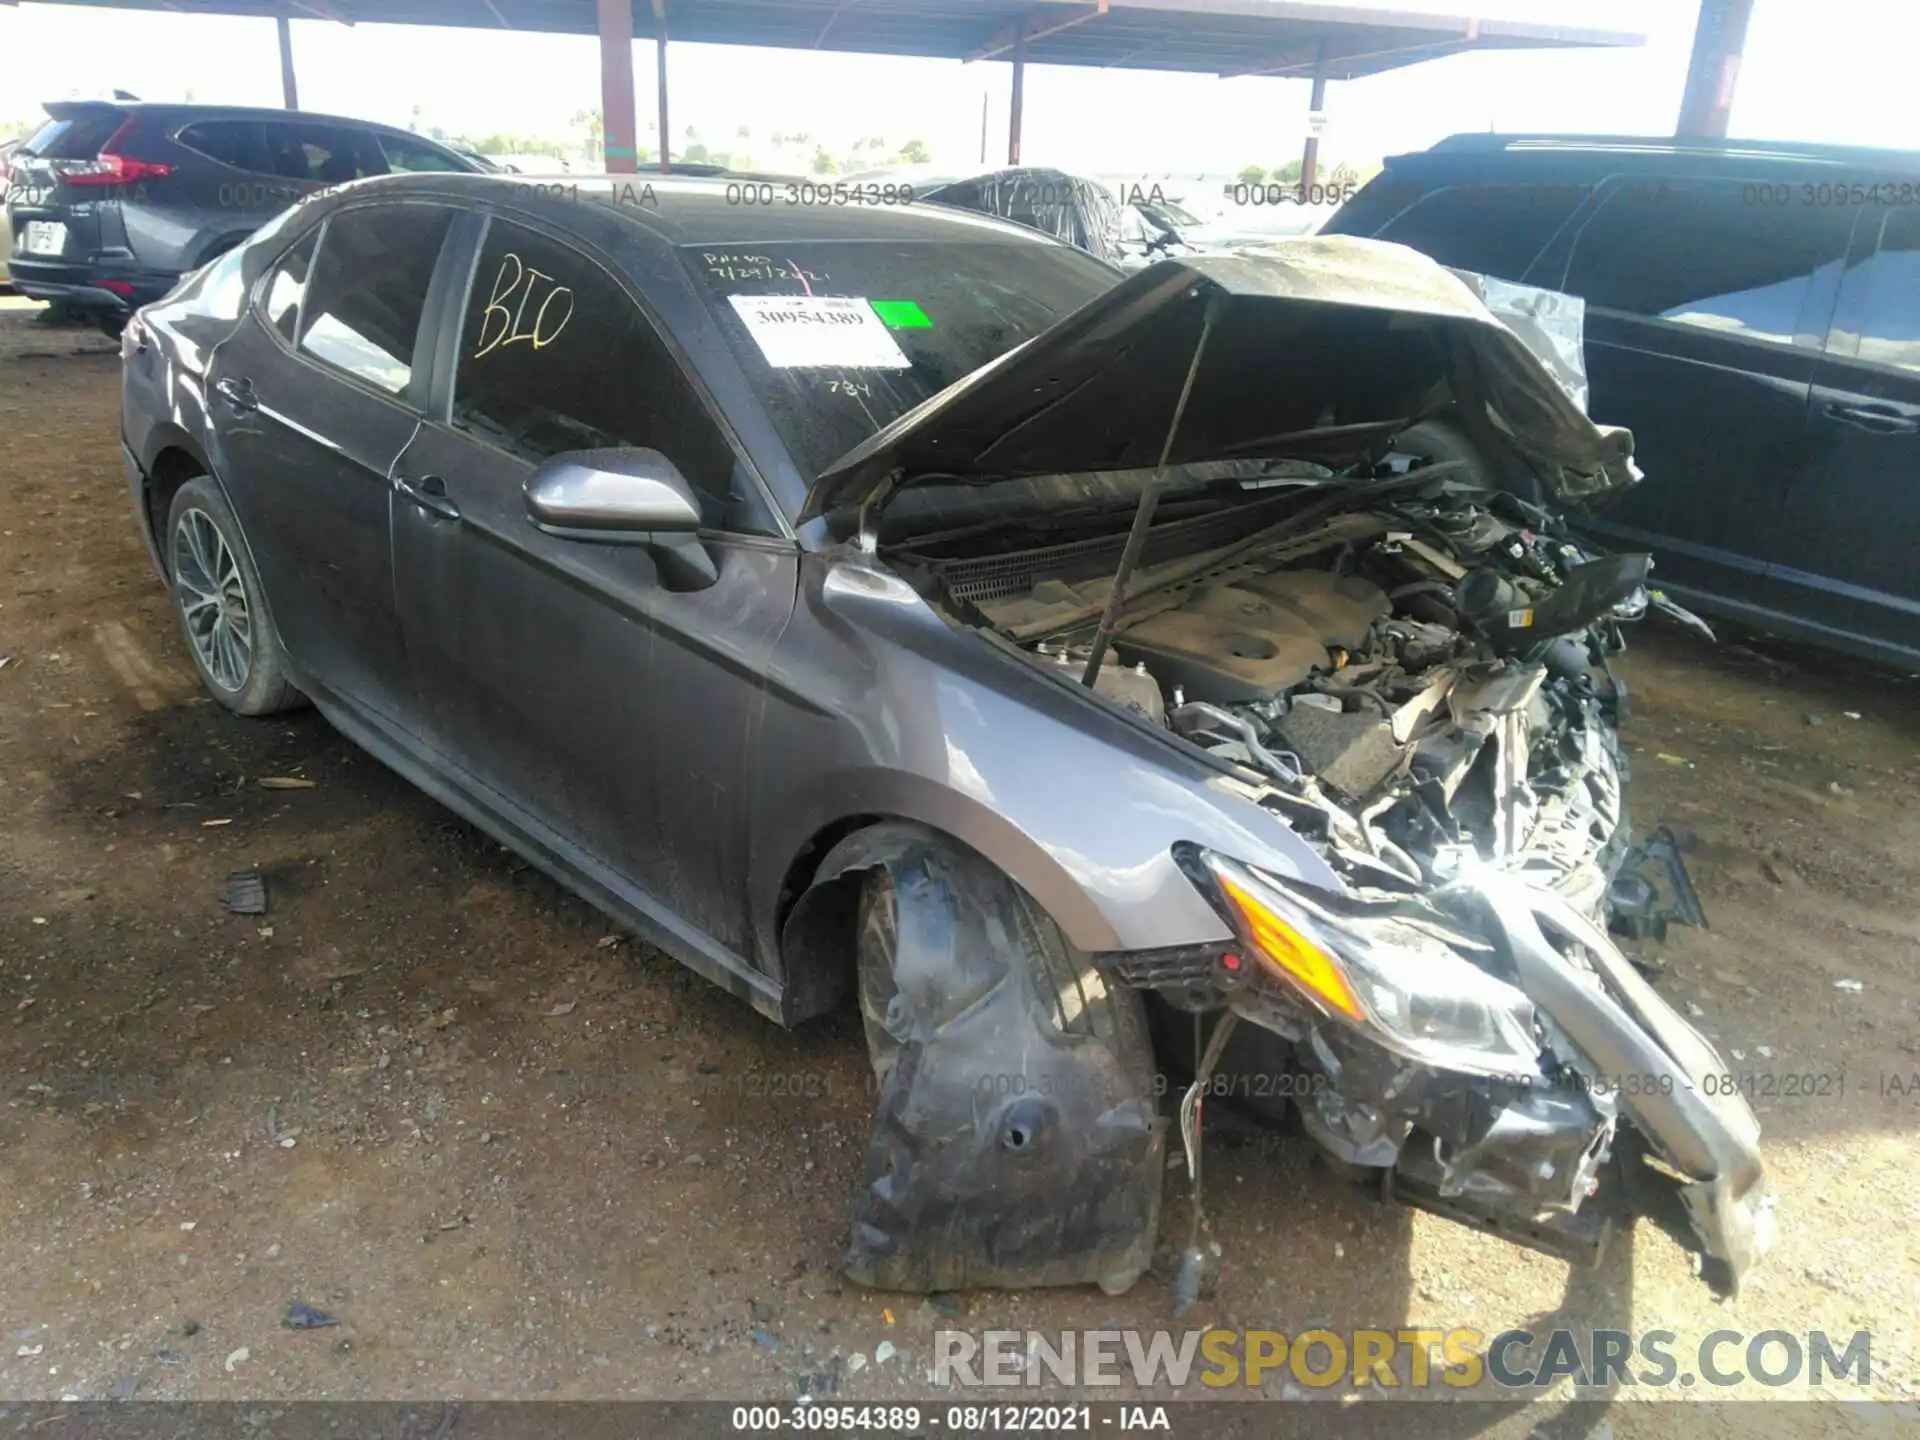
(1223, 37)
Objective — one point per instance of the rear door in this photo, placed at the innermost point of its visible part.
(1854, 514)
(567, 676)
(1706, 315)
(312, 400)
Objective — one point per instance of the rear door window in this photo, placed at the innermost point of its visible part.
(405, 155)
(238, 143)
(77, 135)
(1495, 230)
(321, 154)
(555, 356)
(288, 285)
(368, 289)
(1701, 253)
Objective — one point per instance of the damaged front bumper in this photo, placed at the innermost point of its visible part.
(1493, 1090)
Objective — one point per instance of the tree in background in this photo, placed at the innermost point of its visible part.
(590, 134)
(1251, 175)
(823, 163)
(914, 152)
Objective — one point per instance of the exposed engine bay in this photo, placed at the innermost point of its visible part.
(1390, 666)
(1415, 666)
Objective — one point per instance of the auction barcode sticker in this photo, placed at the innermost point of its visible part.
(828, 331)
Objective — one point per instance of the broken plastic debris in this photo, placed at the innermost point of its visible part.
(285, 782)
(238, 1358)
(565, 1007)
(245, 893)
(1851, 714)
(1672, 759)
(1852, 987)
(883, 1352)
(302, 1316)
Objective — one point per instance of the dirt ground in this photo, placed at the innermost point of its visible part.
(516, 1156)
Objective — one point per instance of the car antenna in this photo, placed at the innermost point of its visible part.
(1143, 515)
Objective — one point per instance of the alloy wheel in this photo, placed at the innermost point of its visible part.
(212, 599)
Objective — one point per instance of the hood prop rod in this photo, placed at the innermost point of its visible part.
(1143, 515)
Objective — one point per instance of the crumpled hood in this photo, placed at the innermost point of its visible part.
(1321, 349)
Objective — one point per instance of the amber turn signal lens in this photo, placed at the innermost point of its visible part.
(1290, 954)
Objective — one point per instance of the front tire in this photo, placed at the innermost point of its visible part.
(221, 605)
(1017, 1140)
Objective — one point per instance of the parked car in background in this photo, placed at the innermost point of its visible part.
(1753, 317)
(7, 148)
(1083, 212)
(748, 569)
(110, 203)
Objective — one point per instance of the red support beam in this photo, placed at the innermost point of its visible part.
(616, 86)
(289, 92)
(1310, 156)
(1019, 97)
(660, 83)
(1718, 40)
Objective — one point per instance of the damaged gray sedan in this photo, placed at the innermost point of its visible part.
(1090, 681)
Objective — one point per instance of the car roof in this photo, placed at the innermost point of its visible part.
(231, 112)
(688, 210)
(1478, 153)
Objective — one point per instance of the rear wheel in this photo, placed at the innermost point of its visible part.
(222, 609)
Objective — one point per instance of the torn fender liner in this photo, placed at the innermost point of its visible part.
(1016, 1141)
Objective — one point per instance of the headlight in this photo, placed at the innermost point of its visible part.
(1402, 981)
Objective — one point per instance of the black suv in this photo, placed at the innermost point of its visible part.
(1753, 317)
(109, 203)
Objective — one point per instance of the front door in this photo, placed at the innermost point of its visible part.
(1855, 514)
(568, 677)
(312, 398)
(1705, 318)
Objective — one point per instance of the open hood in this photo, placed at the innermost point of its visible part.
(1321, 349)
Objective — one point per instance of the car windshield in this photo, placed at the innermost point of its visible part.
(1169, 214)
(841, 338)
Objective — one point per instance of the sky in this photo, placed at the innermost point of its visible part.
(1822, 70)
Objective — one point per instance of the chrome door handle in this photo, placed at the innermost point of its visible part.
(1880, 419)
(237, 393)
(429, 492)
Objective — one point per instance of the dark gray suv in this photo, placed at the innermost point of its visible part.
(108, 204)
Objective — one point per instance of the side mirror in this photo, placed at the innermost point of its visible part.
(624, 497)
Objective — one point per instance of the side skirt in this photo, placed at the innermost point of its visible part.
(553, 855)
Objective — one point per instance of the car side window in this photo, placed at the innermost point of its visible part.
(286, 287)
(320, 154)
(1700, 253)
(1496, 230)
(1883, 327)
(405, 155)
(368, 290)
(555, 356)
(238, 143)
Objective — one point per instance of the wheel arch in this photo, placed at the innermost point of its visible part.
(820, 891)
(176, 459)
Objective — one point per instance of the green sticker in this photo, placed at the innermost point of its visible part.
(901, 314)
